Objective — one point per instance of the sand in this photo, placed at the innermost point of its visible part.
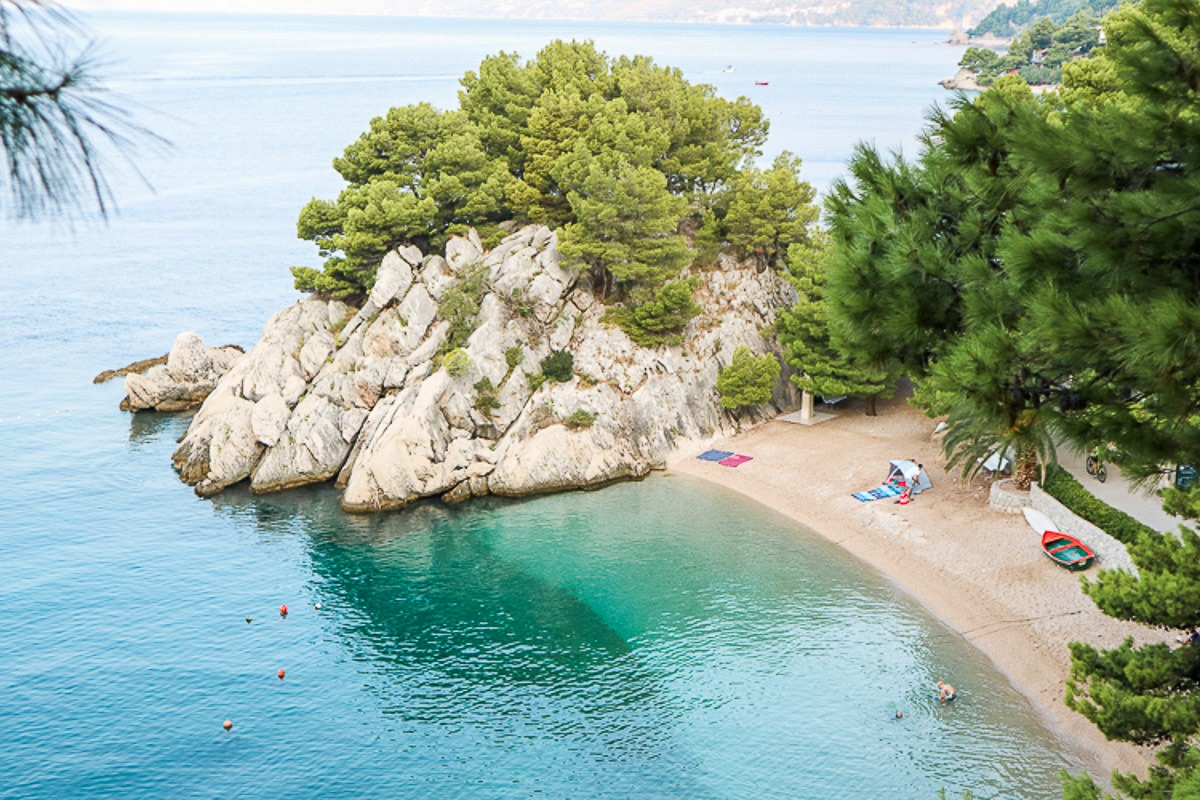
(978, 569)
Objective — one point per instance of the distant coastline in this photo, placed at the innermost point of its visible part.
(804, 14)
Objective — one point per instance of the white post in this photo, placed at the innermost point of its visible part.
(806, 406)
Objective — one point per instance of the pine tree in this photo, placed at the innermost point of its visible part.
(58, 132)
(804, 334)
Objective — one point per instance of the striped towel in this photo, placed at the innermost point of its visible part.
(735, 460)
(878, 493)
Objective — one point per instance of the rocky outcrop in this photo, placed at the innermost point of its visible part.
(190, 372)
(360, 397)
(963, 81)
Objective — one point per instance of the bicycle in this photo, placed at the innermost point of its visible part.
(1096, 468)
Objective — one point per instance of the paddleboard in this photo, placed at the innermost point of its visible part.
(1038, 521)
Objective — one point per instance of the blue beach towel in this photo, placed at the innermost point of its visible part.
(878, 493)
(715, 455)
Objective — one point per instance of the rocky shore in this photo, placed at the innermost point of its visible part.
(362, 397)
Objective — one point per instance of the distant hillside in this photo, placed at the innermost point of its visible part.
(914, 13)
(909, 13)
(1008, 20)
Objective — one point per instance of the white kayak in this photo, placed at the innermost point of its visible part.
(1038, 521)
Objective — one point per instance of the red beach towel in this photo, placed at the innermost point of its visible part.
(735, 460)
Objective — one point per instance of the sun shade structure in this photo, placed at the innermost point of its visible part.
(910, 473)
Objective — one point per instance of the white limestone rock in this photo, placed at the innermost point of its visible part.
(373, 409)
(189, 375)
(269, 419)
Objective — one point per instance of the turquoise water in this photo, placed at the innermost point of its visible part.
(654, 640)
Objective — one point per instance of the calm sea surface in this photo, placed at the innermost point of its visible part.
(654, 640)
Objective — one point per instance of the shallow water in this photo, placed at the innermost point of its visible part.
(661, 639)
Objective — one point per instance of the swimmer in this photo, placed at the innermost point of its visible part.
(946, 692)
(899, 714)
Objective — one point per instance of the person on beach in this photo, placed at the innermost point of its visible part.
(946, 692)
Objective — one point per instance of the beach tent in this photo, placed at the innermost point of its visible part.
(910, 473)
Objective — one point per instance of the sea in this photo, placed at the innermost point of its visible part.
(659, 639)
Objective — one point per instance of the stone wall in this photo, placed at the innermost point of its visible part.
(1007, 499)
(1110, 553)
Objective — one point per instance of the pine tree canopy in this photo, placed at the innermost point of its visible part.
(1037, 271)
(621, 155)
(59, 134)
(1037, 268)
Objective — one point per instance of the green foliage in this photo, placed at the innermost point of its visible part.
(58, 131)
(456, 362)
(1036, 271)
(559, 366)
(804, 334)
(1063, 487)
(1181, 502)
(1038, 53)
(513, 356)
(748, 380)
(1007, 20)
(661, 319)
(580, 419)
(625, 224)
(536, 381)
(770, 210)
(485, 396)
(460, 306)
(988, 268)
(980, 60)
(619, 154)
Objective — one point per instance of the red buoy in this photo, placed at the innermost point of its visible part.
(283, 610)
(281, 673)
(227, 724)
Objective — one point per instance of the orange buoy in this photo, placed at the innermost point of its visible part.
(283, 610)
(281, 673)
(227, 724)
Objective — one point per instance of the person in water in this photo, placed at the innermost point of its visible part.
(946, 692)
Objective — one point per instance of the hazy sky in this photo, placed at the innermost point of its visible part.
(245, 6)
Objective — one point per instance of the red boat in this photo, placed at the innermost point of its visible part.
(1067, 551)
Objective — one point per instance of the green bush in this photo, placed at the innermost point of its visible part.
(456, 362)
(513, 356)
(661, 319)
(536, 380)
(485, 397)
(1063, 487)
(559, 366)
(748, 380)
(580, 419)
(460, 306)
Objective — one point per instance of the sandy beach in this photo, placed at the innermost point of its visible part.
(978, 569)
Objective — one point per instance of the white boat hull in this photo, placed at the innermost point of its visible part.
(1038, 521)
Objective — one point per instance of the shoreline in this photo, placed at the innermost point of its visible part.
(976, 568)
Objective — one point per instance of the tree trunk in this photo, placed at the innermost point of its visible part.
(1026, 471)
(871, 412)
